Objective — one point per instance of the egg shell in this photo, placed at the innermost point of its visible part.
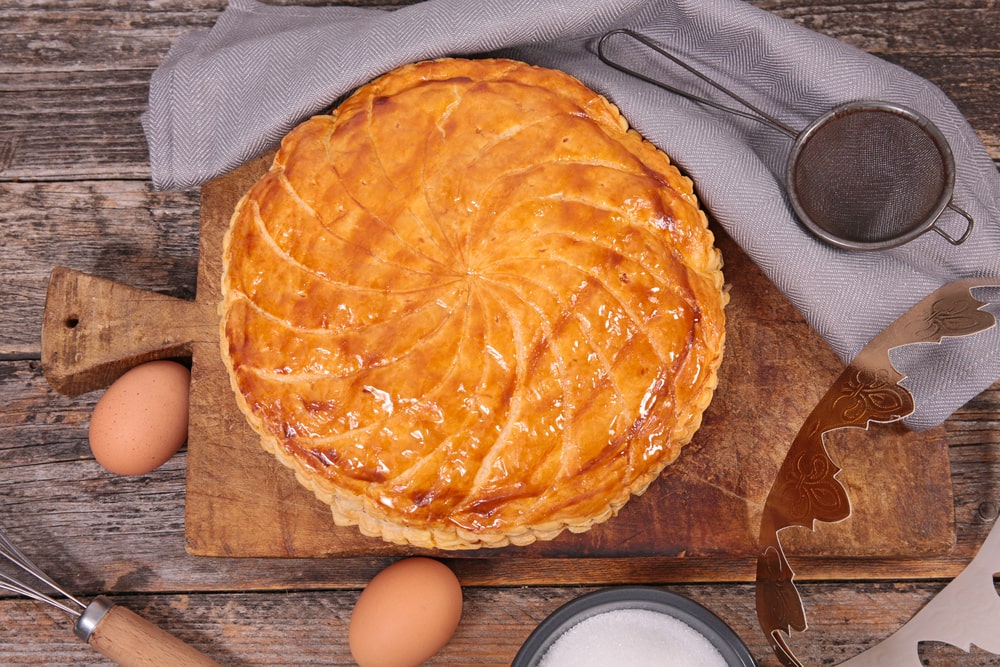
(142, 418)
(406, 614)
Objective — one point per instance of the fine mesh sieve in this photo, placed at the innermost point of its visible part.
(864, 176)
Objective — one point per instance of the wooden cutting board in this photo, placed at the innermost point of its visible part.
(241, 502)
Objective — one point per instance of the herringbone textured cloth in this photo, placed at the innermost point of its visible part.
(226, 95)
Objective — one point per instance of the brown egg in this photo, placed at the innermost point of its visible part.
(142, 418)
(406, 614)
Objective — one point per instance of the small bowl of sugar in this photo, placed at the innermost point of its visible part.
(635, 626)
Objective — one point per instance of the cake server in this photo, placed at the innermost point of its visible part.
(805, 489)
(113, 631)
(965, 612)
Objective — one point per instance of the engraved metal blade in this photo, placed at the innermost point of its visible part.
(965, 613)
(805, 489)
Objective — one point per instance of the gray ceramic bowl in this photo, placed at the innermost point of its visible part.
(721, 636)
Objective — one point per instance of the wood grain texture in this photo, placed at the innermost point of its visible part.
(94, 330)
(241, 503)
(100, 533)
(74, 192)
(707, 504)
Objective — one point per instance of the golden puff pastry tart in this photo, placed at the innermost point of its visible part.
(471, 308)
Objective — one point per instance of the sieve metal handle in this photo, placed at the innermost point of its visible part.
(968, 229)
(757, 114)
(824, 209)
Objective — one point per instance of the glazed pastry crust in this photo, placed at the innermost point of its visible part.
(471, 308)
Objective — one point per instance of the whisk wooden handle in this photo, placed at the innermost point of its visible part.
(131, 641)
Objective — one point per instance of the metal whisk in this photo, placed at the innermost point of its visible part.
(115, 632)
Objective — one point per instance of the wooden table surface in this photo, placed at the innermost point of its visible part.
(75, 192)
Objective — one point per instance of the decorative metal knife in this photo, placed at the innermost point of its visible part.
(805, 489)
(965, 612)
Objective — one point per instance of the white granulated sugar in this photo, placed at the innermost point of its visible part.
(633, 637)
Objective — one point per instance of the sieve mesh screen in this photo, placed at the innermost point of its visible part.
(869, 175)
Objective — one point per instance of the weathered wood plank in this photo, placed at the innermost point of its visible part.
(125, 534)
(90, 35)
(65, 37)
(953, 75)
(86, 125)
(298, 628)
(51, 35)
(73, 125)
(119, 230)
(75, 78)
(943, 28)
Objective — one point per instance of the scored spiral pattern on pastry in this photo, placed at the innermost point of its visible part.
(470, 307)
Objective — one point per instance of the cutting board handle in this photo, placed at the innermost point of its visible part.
(94, 330)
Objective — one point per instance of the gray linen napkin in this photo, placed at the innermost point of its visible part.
(224, 96)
